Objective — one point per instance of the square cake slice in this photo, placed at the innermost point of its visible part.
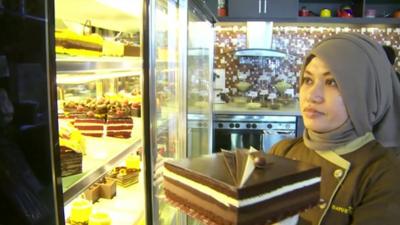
(205, 189)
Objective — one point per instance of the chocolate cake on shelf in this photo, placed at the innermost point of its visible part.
(74, 44)
(241, 187)
(124, 176)
(119, 121)
(72, 146)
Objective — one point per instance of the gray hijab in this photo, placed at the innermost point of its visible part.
(369, 88)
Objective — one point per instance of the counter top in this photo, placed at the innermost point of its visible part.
(228, 108)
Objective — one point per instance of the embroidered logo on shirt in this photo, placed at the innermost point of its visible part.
(345, 210)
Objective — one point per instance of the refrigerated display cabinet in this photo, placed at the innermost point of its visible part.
(98, 83)
(157, 59)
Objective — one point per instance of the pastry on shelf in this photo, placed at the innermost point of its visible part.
(124, 176)
(80, 212)
(93, 121)
(92, 194)
(131, 50)
(74, 44)
(72, 146)
(108, 188)
(104, 188)
(133, 162)
(119, 121)
(70, 111)
(130, 47)
(136, 109)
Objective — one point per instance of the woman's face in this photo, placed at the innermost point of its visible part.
(321, 103)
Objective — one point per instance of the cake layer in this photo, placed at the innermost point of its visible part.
(90, 126)
(210, 170)
(206, 208)
(124, 176)
(71, 162)
(223, 199)
(119, 127)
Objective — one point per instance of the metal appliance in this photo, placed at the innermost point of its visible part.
(198, 134)
(259, 131)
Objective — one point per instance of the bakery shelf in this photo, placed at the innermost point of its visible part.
(76, 70)
(87, 65)
(101, 156)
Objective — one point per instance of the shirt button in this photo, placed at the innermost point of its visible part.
(338, 173)
(322, 203)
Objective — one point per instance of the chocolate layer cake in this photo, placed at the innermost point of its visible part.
(72, 147)
(71, 43)
(207, 189)
(71, 161)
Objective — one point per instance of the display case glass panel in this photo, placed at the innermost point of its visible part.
(167, 89)
(199, 89)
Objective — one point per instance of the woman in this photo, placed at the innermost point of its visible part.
(349, 100)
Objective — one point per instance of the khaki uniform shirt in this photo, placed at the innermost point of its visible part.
(359, 188)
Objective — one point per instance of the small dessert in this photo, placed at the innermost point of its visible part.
(108, 188)
(92, 194)
(124, 176)
(132, 162)
(80, 211)
(119, 121)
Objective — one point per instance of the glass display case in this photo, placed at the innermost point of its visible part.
(180, 89)
(99, 75)
(166, 87)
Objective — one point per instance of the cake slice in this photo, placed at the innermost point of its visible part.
(207, 189)
(72, 147)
